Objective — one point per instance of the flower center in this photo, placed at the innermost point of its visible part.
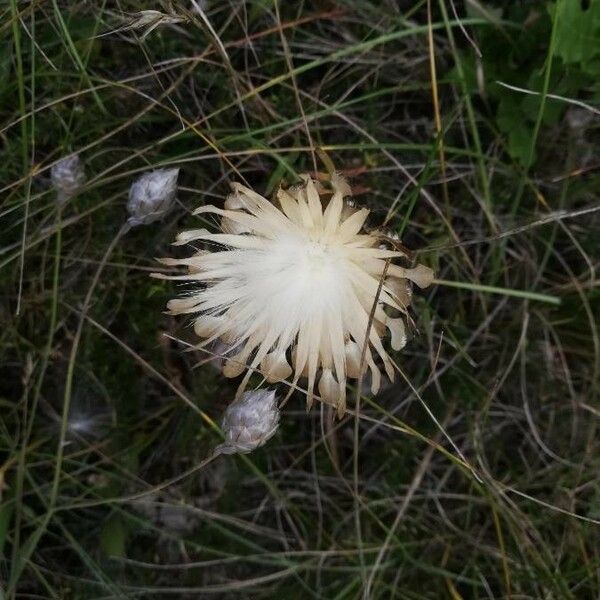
(319, 257)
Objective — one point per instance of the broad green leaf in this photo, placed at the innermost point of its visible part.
(577, 30)
(514, 123)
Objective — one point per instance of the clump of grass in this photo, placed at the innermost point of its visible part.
(475, 475)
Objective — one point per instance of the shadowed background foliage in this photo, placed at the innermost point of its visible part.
(470, 130)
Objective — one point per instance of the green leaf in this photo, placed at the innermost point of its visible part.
(577, 30)
(284, 166)
(113, 536)
(513, 122)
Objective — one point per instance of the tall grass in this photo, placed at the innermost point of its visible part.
(474, 476)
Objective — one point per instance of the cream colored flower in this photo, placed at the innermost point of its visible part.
(290, 288)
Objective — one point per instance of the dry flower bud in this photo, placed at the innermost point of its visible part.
(151, 196)
(249, 422)
(68, 176)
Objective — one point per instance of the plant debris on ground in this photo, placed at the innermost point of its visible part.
(470, 130)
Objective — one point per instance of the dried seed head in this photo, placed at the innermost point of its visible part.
(249, 422)
(146, 21)
(151, 196)
(67, 177)
(150, 19)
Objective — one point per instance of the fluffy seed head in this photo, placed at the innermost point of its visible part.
(290, 289)
(67, 177)
(249, 422)
(151, 196)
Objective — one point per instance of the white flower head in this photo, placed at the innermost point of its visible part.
(249, 422)
(292, 287)
(68, 176)
(152, 196)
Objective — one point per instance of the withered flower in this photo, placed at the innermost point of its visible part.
(290, 288)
